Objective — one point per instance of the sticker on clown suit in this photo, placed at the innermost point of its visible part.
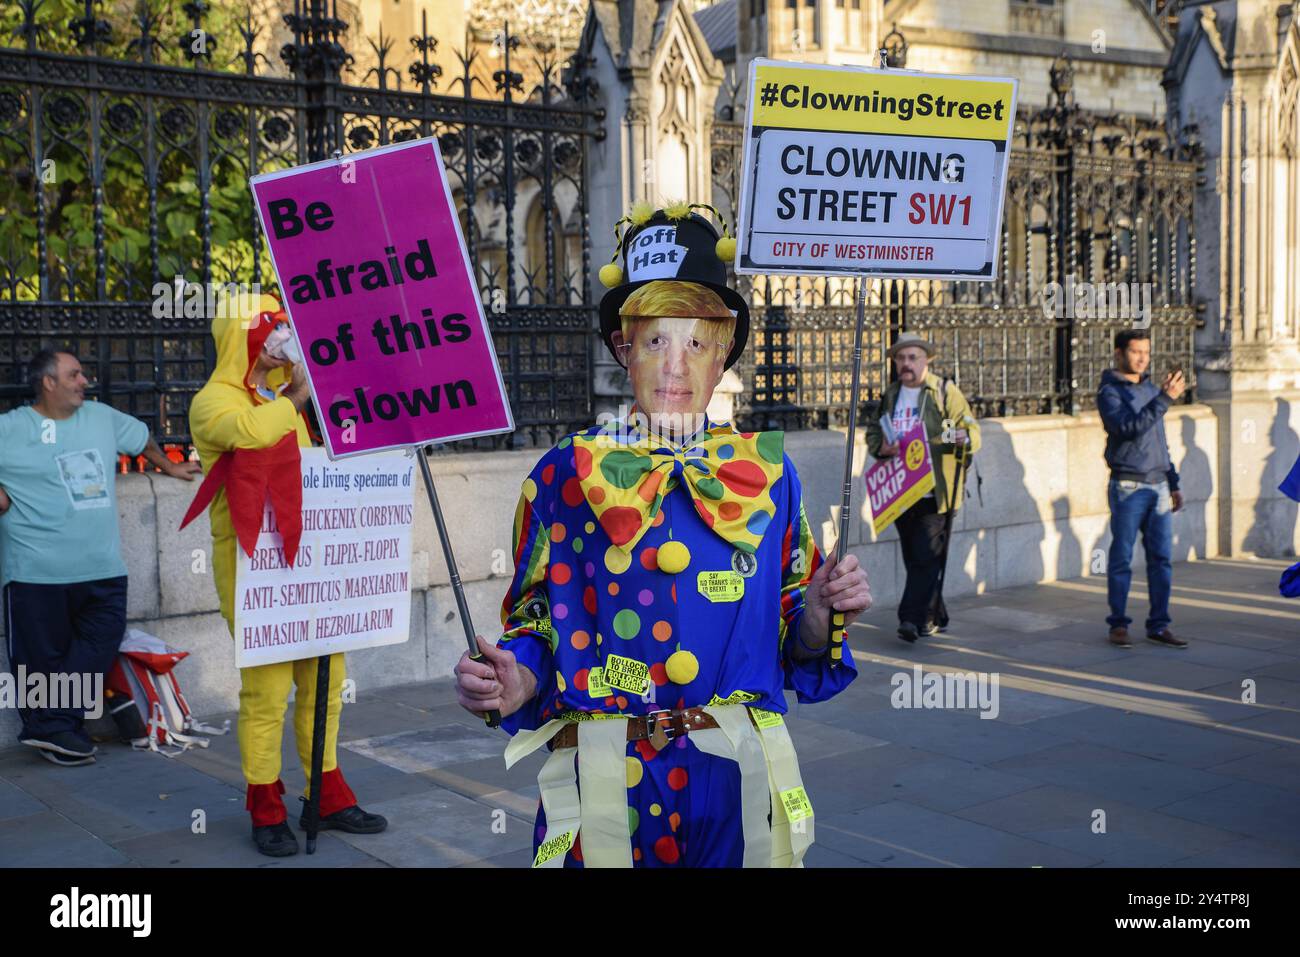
(537, 617)
(720, 586)
(796, 804)
(736, 697)
(596, 686)
(554, 847)
(654, 254)
(766, 719)
(626, 674)
(743, 563)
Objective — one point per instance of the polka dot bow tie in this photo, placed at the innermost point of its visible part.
(624, 476)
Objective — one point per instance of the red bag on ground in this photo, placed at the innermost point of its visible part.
(143, 675)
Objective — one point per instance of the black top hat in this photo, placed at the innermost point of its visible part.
(684, 249)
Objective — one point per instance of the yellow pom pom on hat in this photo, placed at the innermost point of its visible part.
(611, 275)
(675, 243)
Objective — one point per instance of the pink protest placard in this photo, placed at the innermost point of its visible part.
(896, 483)
(381, 296)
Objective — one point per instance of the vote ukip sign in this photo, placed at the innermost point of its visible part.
(897, 483)
(382, 299)
(855, 171)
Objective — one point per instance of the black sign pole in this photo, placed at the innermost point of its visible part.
(836, 626)
(837, 629)
(493, 718)
(317, 750)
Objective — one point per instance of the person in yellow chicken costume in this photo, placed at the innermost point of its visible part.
(247, 424)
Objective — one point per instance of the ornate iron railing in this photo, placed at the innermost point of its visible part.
(127, 136)
(1099, 199)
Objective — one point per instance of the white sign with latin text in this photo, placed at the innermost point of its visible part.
(350, 586)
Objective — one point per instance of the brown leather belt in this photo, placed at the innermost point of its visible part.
(659, 727)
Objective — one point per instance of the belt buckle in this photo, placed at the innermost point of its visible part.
(658, 726)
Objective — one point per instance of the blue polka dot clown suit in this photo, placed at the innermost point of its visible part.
(658, 588)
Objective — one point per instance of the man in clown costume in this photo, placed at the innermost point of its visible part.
(667, 590)
(247, 423)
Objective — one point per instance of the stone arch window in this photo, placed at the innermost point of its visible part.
(566, 250)
(1289, 121)
(489, 255)
(1038, 17)
(1289, 140)
(675, 127)
(798, 27)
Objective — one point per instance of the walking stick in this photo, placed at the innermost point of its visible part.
(493, 718)
(953, 492)
(317, 750)
(837, 629)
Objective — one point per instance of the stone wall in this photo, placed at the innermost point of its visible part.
(1043, 516)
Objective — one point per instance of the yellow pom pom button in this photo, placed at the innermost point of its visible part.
(672, 557)
(611, 274)
(682, 667)
(726, 248)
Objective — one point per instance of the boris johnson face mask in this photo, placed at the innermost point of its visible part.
(674, 363)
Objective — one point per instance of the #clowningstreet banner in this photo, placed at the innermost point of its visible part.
(350, 586)
(379, 290)
(859, 171)
(895, 484)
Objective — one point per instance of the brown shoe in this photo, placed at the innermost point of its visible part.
(1119, 637)
(1168, 638)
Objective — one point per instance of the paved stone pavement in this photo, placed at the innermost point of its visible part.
(1097, 756)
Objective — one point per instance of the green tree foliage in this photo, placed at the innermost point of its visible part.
(172, 169)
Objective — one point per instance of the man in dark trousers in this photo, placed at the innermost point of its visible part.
(61, 566)
(1143, 491)
(954, 436)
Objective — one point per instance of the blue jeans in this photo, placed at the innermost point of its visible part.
(1149, 507)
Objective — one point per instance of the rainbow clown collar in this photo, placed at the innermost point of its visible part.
(625, 473)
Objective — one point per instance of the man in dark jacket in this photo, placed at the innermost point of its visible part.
(1143, 490)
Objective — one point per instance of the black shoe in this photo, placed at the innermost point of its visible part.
(1167, 638)
(67, 743)
(907, 631)
(275, 840)
(63, 760)
(352, 819)
(928, 629)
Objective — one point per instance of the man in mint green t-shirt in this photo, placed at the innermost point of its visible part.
(61, 564)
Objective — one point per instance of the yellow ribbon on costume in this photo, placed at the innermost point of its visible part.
(770, 783)
(625, 474)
